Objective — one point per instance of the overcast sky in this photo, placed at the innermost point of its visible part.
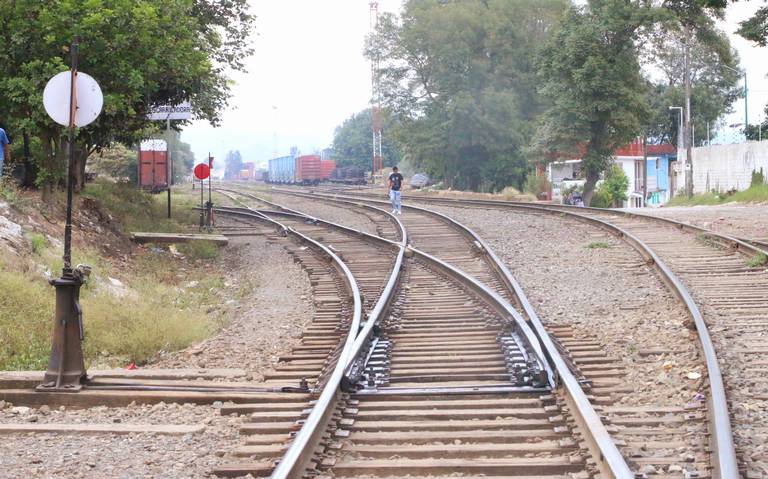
(308, 74)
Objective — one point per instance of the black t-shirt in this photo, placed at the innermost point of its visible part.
(397, 180)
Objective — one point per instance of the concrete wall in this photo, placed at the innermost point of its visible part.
(727, 167)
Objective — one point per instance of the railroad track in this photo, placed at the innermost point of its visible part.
(451, 361)
(664, 427)
(727, 276)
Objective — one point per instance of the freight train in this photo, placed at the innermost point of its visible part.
(311, 170)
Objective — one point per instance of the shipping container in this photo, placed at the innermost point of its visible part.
(153, 166)
(308, 170)
(326, 168)
(282, 170)
(245, 174)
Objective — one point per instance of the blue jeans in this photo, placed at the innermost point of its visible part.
(394, 196)
(2, 160)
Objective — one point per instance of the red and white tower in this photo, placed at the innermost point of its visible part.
(376, 132)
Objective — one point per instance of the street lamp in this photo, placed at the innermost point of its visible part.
(746, 111)
(680, 127)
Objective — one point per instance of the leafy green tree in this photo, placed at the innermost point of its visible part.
(461, 79)
(589, 70)
(353, 142)
(142, 53)
(233, 164)
(116, 161)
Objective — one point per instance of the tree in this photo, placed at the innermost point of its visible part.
(714, 83)
(117, 161)
(461, 80)
(589, 71)
(754, 29)
(143, 53)
(352, 142)
(694, 20)
(233, 164)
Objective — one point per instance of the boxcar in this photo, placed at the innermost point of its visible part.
(282, 170)
(308, 170)
(326, 169)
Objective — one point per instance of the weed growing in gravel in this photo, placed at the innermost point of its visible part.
(758, 260)
(598, 245)
(707, 240)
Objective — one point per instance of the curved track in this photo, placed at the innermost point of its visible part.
(723, 461)
(447, 379)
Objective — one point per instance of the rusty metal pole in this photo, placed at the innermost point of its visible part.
(66, 367)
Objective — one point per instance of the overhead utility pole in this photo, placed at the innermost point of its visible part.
(687, 126)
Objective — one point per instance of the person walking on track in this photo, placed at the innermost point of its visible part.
(395, 183)
(5, 150)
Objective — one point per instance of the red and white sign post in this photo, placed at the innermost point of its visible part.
(202, 171)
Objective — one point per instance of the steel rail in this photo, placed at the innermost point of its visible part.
(299, 454)
(494, 299)
(603, 449)
(747, 245)
(503, 308)
(725, 464)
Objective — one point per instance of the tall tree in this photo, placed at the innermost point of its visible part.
(714, 82)
(461, 78)
(589, 70)
(142, 53)
(353, 145)
(694, 20)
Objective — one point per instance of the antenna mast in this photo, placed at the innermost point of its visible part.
(376, 133)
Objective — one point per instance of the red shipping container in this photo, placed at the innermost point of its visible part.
(153, 170)
(308, 169)
(326, 168)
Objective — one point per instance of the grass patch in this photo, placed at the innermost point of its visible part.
(199, 249)
(754, 194)
(758, 260)
(38, 242)
(133, 327)
(598, 245)
(155, 310)
(137, 210)
(136, 329)
(26, 312)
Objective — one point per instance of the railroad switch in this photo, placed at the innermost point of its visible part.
(66, 367)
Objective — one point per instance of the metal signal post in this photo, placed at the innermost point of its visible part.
(66, 366)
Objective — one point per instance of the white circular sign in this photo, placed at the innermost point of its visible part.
(89, 99)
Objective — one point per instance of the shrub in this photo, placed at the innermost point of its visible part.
(615, 185)
(537, 184)
(601, 199)
(758, 179)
